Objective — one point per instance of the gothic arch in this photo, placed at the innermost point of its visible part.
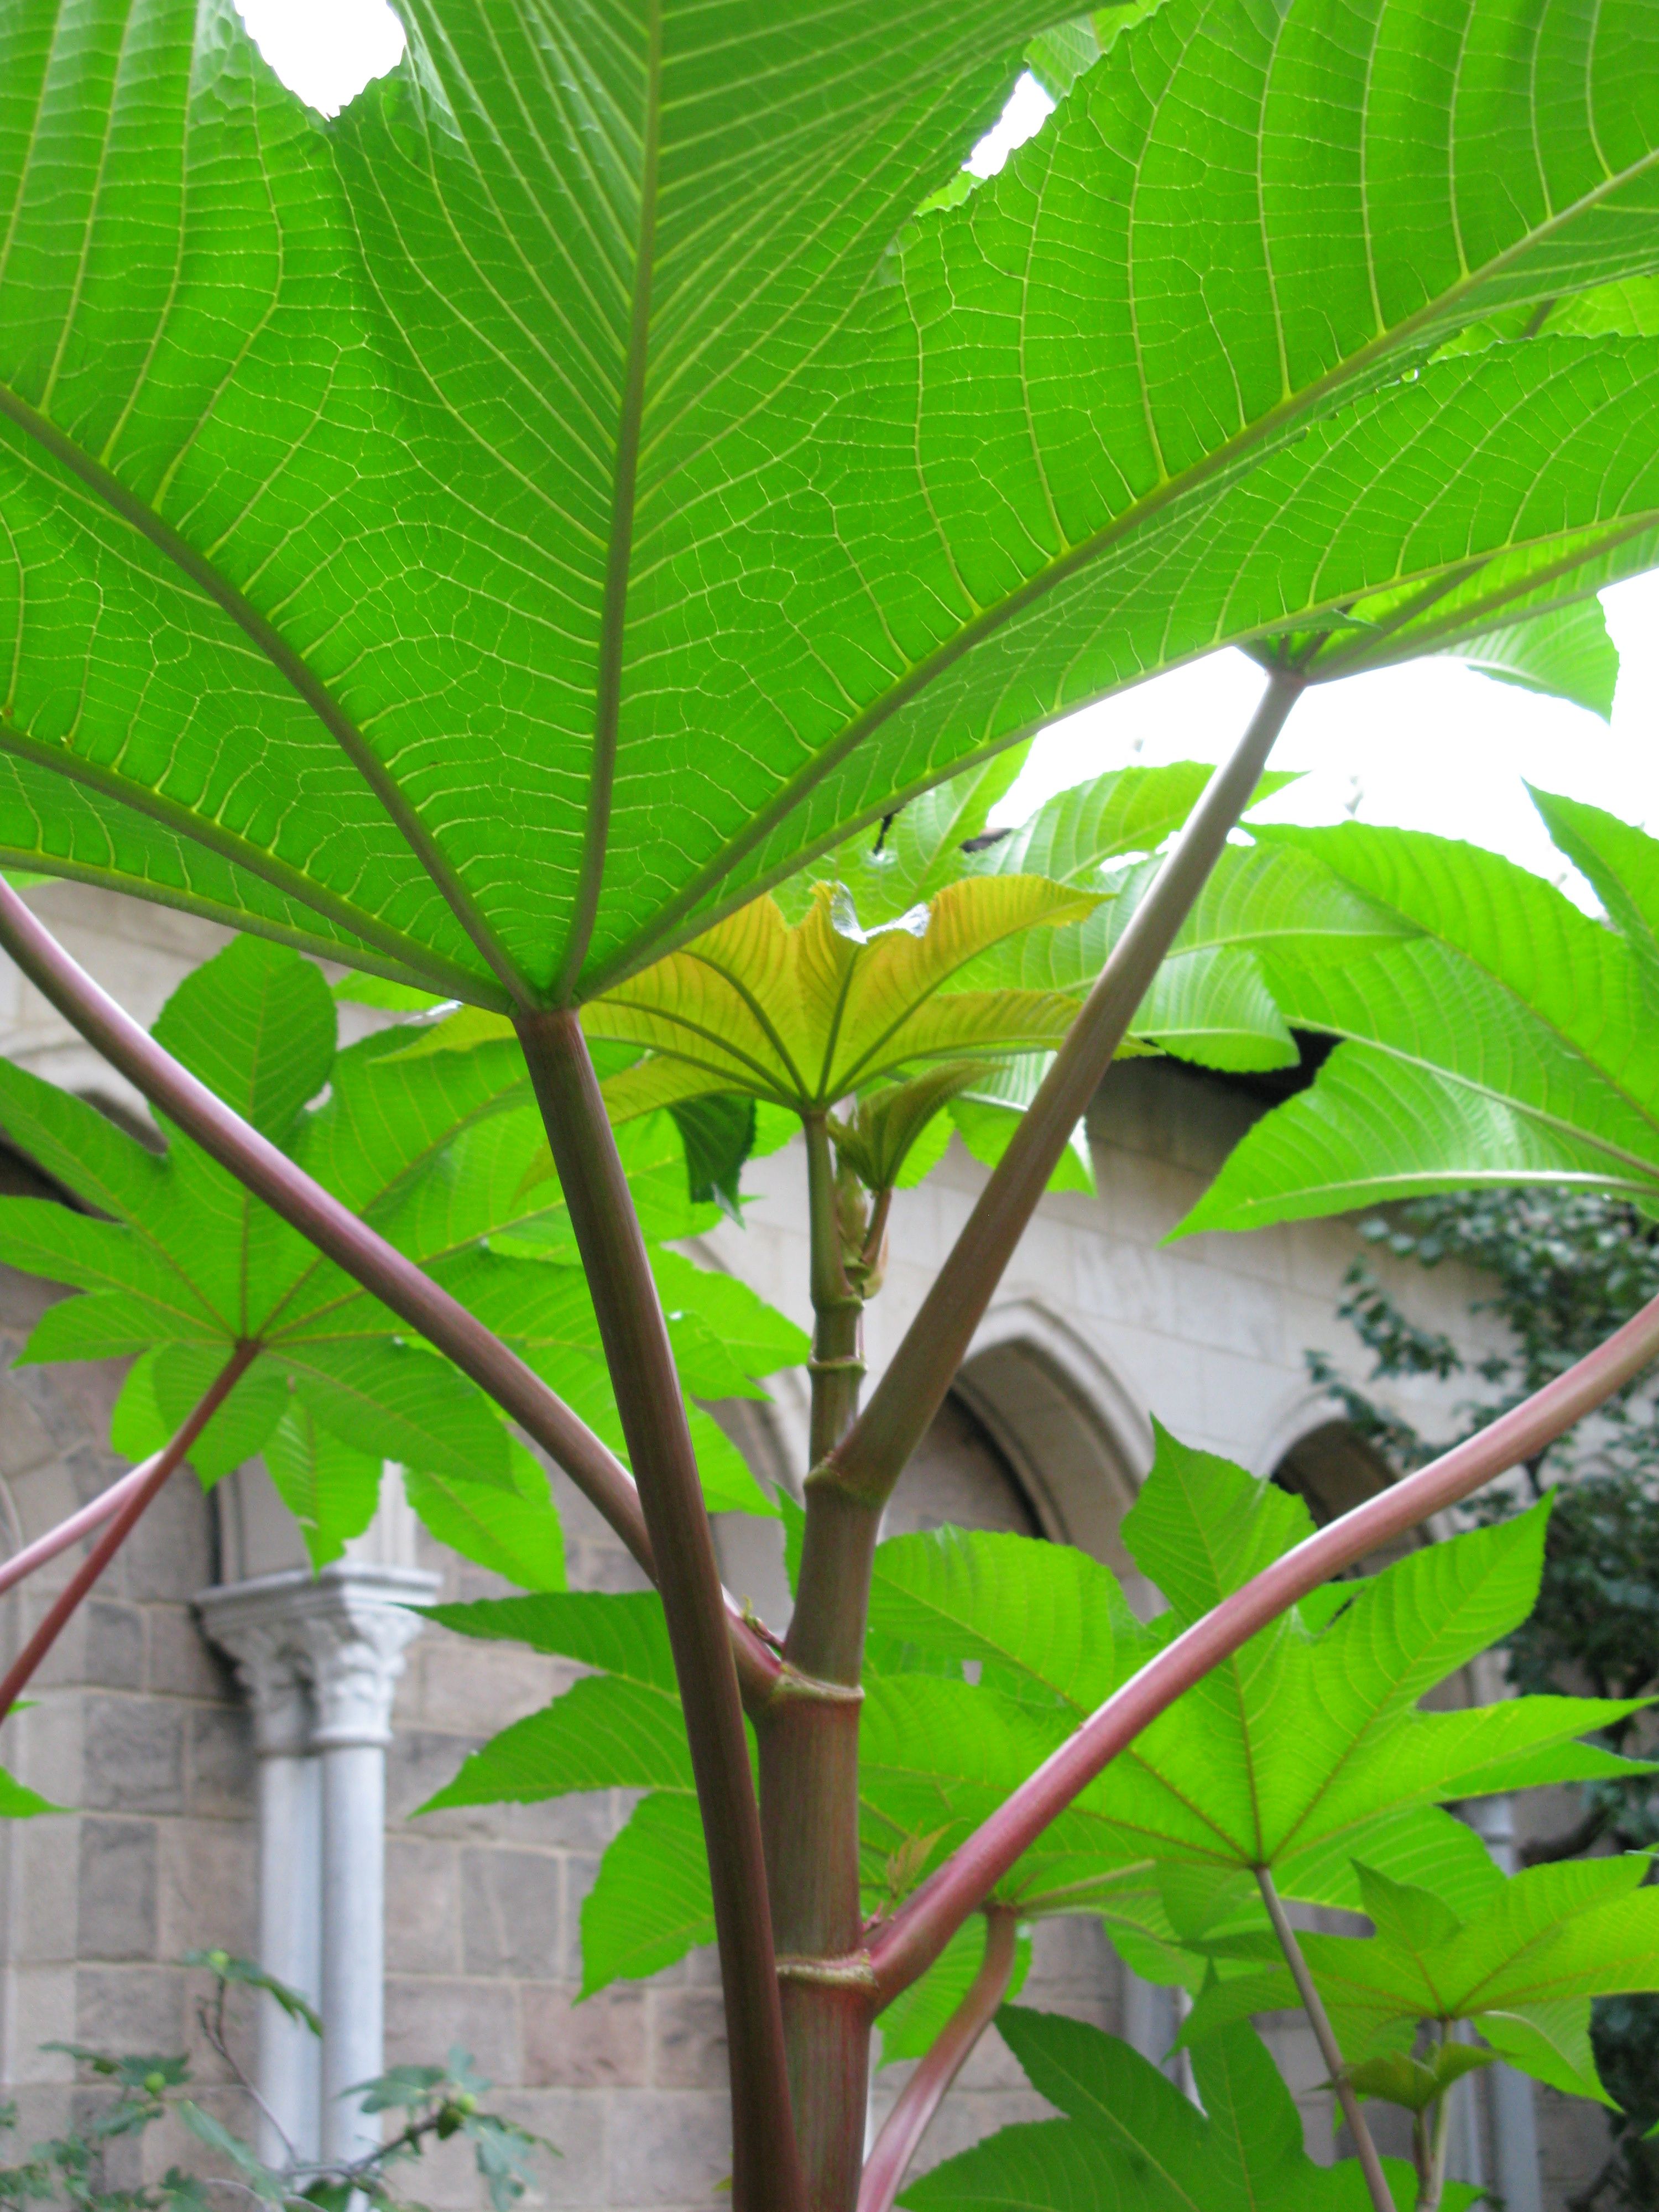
(1077, 1439)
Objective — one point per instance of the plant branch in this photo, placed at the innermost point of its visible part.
(155, 1471)
(910, 1943)
(213, 2029)
(1433, 2186)
(1329, 2049)
(872, 1456)
(367, 1257)
(926, 2090)
(24, 1563)
(765, 2170)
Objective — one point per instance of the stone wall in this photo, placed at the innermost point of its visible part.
(138, 1727)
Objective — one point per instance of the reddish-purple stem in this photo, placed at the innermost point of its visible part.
(154, 1474)
(366, 1256)
(874, 1452)
(926, 2088)
(913, 1938)
(24, 1563)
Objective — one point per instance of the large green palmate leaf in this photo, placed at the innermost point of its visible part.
(492, 536)
(1130, 2141)
(1522, 1968)
(433, 1152)
(1307, 1752)
(1315, 1727)
(1508, 1039)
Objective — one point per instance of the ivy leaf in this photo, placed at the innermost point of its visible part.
(1131, 2139)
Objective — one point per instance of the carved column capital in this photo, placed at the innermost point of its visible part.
(252, 1621)
(319, 1655)
(353, 1634)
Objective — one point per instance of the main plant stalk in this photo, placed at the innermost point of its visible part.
(809, 1746)
(765, 2171)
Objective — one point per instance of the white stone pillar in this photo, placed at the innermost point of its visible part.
(251, 1621)
(321, 1657)
(354, 1633)
(1514, 2118)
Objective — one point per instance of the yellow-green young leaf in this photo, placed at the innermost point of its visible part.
(803, 1015)
(514, 1531)
(331, 1489)
(1398, 2078)
(1130, 2141)
(878, 1137)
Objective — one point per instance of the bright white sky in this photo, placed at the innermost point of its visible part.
(1430, 746)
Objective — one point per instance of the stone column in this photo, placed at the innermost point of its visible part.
(354, 1634)
(251, 1621)
(320, 1656)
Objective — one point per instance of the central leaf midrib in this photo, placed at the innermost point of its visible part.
(619, 557)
